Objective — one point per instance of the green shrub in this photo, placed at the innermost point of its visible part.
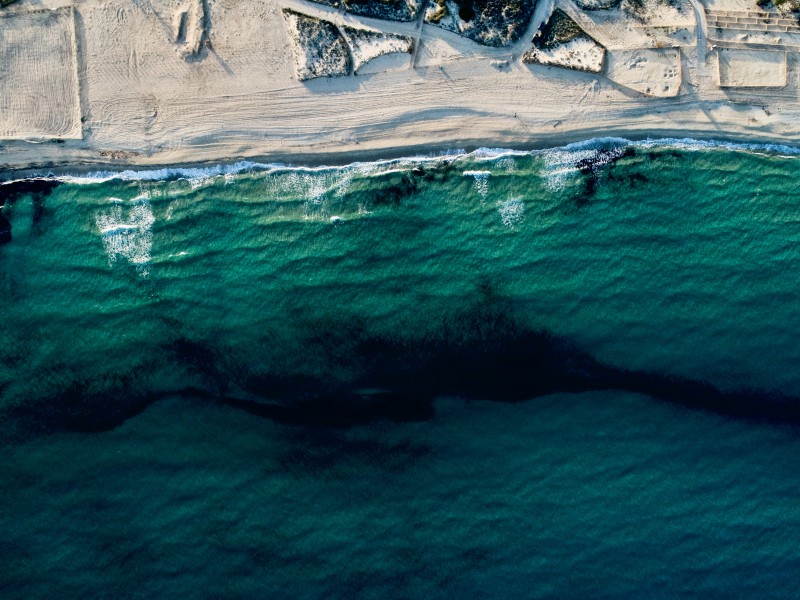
(560, 29)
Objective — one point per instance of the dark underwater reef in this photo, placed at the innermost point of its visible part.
(38, 189)
(475, 354)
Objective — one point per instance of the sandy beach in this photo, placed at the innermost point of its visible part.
(155, 82)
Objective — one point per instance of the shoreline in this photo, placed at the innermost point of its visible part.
(142, 98)
(344, 158)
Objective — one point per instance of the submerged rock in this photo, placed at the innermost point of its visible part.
(488, 22)
(319, 48)
(560, 42)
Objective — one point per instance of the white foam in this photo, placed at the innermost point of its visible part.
(512, 211)
(507, 163)
(401, 164)
(227, 170)
(559, 165)
(495, 153)
(692, 144)
(481, 181)
(128, 233)
(188, 173)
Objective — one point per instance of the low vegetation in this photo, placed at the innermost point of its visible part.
(560, 42)
(488, 22)
(320, 50)
(597, 4)
(391, 10)
(783, 6)
(643, 9)
(559, 29)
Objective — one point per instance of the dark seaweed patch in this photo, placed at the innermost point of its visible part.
(349, 375)
(395, 191)
(593, 167)
(201, 359)
(5, 229)
(10, 193)
(633, 180)
(83, 406)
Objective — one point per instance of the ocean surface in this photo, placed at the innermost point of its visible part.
(571, 373)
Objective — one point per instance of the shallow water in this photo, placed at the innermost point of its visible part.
(261, 380)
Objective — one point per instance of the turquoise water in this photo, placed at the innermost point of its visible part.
(569, 373)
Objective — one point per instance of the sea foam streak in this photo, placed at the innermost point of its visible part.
(129, 236)
(481, 181)
(556, 158)
(512, 211)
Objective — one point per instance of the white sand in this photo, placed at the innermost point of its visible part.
(143, 103)
(751, 68)
(647, 70)
(38, 76)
